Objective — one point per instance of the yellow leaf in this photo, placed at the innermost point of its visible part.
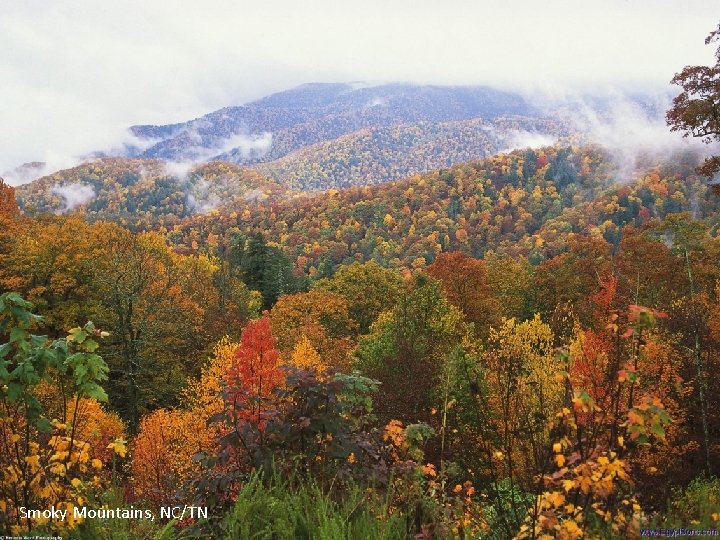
(557, 447)
(556, 498)
(118, 446)
(76, 482)
(584, 483)
(568, 485)
(560, 460)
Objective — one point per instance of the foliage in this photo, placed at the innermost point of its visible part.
(588, 487)
(695, 109)
(44, 461)
(305, 356)
(368, 289)
(319, 425)
(698, 505)
(319, 316)
(381, 154)
(162, 454)
(465, 285)
(136, 192)
(451, 292)
(163, 310)
(509, 203)
(291, 509)
(407, 348)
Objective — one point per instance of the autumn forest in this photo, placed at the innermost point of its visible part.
(385, 321)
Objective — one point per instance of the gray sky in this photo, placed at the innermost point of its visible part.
(75, 74)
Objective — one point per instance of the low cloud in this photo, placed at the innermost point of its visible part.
(240, 147)
(375, 102)
(633, 131)
(74, 195)
(199, 198)
(254, 195)
(249, 146)
(528, 139)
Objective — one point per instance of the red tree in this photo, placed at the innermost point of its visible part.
(255, 373)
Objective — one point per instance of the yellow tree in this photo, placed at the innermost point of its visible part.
(162, 453)
(522, 387)
(154, 321)
(305, 356)
(9, 224)
(321, 317)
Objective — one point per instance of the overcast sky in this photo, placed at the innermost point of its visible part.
(75, 74)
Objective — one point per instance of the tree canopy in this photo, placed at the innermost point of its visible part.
(696, 110)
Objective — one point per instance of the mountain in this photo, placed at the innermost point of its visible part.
(274, 126)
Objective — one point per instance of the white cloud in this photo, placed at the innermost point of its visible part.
(631, 133)
(249, 146)
(74, 194)
(527, 139)
(200, 200)
(77, 74)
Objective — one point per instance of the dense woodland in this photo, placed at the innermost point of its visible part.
(518, 347)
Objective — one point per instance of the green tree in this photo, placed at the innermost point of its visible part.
(408, 347)
(368, 289)
(43, 461)
(265, 269)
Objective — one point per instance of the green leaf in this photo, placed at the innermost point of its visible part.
(77, 335)
(93, 391)
(18, 334)
(658, 430)
(91, 345)
(43, 424)
(14, 391)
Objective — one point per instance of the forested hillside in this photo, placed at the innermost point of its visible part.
(139, 192)
(506, 348)
(375, 155)
(523, 203)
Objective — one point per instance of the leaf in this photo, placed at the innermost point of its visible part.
(91, 345)
(94, 391)
(18, 334)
